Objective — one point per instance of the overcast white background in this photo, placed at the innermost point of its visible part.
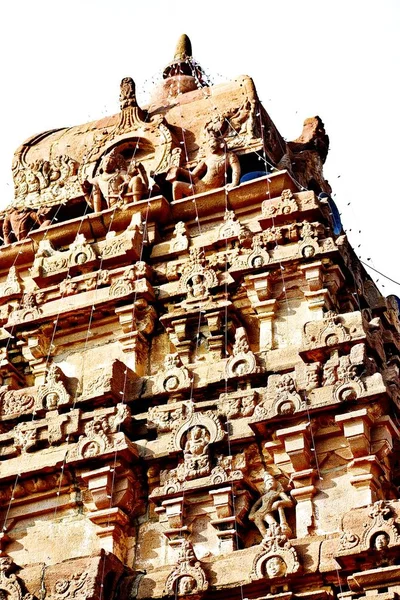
(62, 63)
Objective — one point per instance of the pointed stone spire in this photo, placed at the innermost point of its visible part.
(183, 63)
(183, 48)
(183, 74)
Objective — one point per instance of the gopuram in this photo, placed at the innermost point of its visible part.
(199, 380)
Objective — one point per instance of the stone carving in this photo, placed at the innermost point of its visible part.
(45, 182)
(268, 511)
(180, 241)
(105, 188)
(243, 361)
(48, 260)
(164, 419)
(15, 402)
(98, 437)
(70, 588)
(136, 184)
(25, 436)
(196, 452)
(379, 533)
(53, 393)
(144, 315)
(27, 311)
(10, 587)
(235, 405)
(194, 436)
(197, 279)
(12, 284)
(277, 558)
(313, 376)
(209, 174)
(80, 251)
(123, 285)
(380, 528)
(258, 257)
(175, 376)
(231, 228)
(342, 371)
(287, 399)
(286, 205)
(188, 578)
(309, 235)
(330, 332)
(127, 95)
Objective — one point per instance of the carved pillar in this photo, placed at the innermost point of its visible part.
(323, 284)
(37, 349)
(229, 516)
(174, 511)
(259, 289)
(295, 444)
(116, 493)
(177, 331)
(316, 295)
(137, 324)
(365, 468)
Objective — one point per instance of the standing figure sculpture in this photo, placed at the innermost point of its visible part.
(274, 500)
(209, 173)
(107, 184)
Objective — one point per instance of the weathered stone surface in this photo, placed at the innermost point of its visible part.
(199, 384)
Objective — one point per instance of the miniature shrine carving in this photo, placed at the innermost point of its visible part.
(277, 558)
(188, 579)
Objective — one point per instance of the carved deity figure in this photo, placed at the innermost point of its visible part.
(275, 567)
(209, 174)
(107, 184)
(197, 287)
(136, 184)
(186, 585)
(381, 541)
(195, 452)
(273, 500)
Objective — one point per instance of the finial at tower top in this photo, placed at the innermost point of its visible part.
(183, 48)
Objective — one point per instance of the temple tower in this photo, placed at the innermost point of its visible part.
(199, 381)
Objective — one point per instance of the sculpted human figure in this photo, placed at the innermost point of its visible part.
(381, 542)
(195, 452)
(107, 184)
(186, 585)
(197, 287)
(197, 441)
(209, 173)
(18, 224)
(136, 184)
(273, 500)
(275, 567)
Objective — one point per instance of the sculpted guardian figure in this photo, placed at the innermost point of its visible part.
(209, 173)
(107, 184)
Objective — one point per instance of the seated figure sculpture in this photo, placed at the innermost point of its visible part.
(273, 500)
(209, 174)
(136, 184)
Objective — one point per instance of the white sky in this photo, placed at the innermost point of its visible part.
(339, 59)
